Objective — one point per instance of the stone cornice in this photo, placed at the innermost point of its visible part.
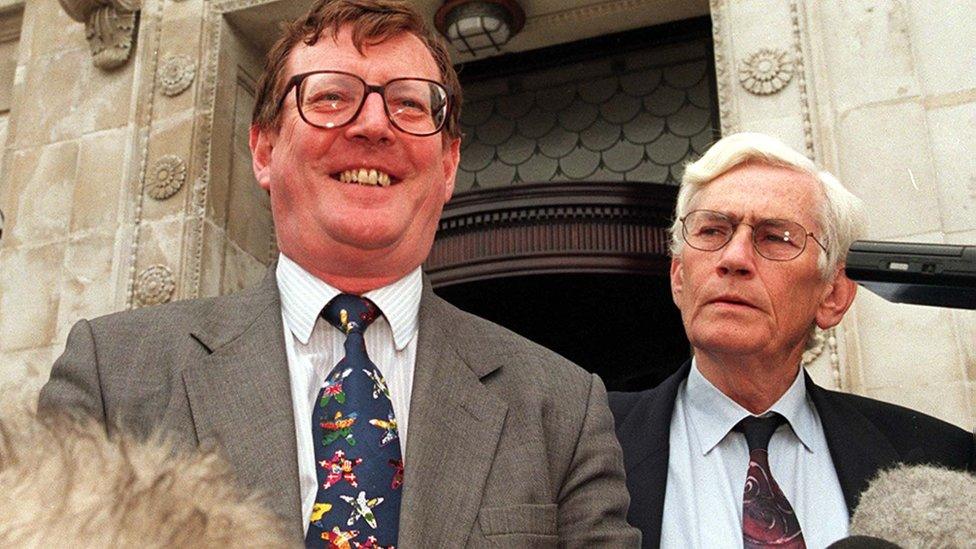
(553, 228)
(110, 27)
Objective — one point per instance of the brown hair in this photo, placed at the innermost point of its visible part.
(372, 21)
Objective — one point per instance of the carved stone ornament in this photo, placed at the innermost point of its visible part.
(155, 285)
(110, 28)
(766, 71)
(176, 73)
(167, 177)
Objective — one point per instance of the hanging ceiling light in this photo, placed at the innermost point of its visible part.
(476, 25)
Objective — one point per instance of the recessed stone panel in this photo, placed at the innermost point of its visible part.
(893, 352)
(788, 129)
(249, 216)
(211, 259)
(100, 180)
(944, 44)
(86, 99)
(48, 30)
(953, 131)
(241, 270)
(868, 51)
(37, 192)
(885, 158)
(30, 278)
(42, 117)
(88, 280)
(106, 98)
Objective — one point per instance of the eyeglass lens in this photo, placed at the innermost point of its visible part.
(777, 239)
(331, 100)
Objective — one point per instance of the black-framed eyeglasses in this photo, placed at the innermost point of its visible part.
(775, 239)
(332, 99)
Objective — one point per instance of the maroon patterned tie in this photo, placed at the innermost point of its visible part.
(768, 519)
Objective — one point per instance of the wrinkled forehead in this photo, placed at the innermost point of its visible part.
(402, 54)
(753, 192)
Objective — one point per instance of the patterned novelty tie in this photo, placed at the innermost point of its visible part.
(357, 449)
(768, 519)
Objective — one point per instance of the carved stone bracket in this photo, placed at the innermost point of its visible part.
(110, 27)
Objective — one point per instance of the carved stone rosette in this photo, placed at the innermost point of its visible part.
(176, 73)
(110, 28)
(766, 71)
(155, 285)
(167, 177)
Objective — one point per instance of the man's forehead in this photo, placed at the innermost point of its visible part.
(761, 191)
(405, 52)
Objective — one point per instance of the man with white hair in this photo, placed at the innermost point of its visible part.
(740, 448)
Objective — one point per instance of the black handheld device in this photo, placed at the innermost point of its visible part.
(942, 275)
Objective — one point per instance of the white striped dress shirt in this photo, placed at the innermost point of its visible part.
(314, 347)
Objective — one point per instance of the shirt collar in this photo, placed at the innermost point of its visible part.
(303, 296)
(715, 414)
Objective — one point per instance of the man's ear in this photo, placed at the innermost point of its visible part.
(261, 143)
(452, 156)
(677, 279)
(836, 299)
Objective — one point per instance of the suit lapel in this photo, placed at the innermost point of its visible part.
(240, 395)
(858, 449)
(645, 438)
(454, 429)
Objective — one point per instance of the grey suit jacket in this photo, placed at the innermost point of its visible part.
(509, 443)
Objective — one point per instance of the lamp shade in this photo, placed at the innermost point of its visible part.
(477, 25)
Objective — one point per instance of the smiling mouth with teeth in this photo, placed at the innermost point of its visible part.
(366, 177)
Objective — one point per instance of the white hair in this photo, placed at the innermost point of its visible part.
(841, 215)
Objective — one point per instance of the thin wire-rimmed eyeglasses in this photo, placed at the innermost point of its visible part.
(775, 239)
(332, 99)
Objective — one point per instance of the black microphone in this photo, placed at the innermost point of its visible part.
(863, 542)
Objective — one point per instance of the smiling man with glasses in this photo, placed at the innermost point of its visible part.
(740, 448)
(370, 412)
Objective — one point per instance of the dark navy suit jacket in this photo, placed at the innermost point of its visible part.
(864, 437)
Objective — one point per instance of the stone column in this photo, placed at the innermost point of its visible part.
(126, 186)
(883, 94)
(66, 167)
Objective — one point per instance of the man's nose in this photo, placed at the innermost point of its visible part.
(738, 257)
(371, 124)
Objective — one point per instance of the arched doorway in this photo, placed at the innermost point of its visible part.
(566, 187)
(580, 268)
(620, 326)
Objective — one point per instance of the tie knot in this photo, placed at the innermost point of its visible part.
(350, 313)
(758, 430)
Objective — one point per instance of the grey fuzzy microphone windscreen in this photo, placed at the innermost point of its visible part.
(919, 506)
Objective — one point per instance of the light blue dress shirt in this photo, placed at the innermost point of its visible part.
(708, 461)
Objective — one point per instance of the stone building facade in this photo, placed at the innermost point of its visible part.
(126, 180)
